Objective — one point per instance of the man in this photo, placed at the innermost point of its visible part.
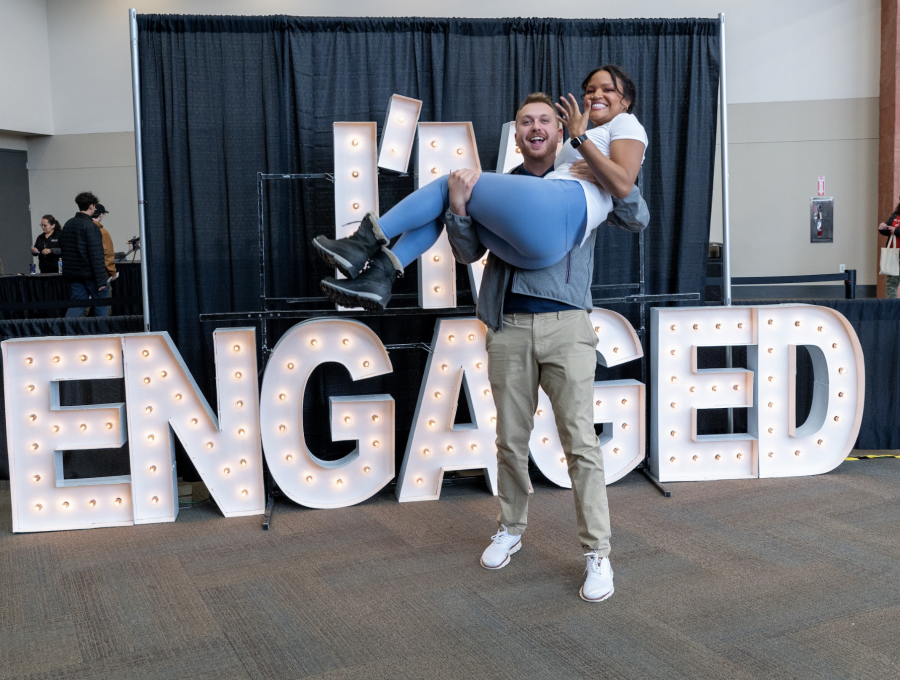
(82, 255)
(539, 333)
(109, 251)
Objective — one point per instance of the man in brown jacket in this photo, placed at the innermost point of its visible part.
(109, 252)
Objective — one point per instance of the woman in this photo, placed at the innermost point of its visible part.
(46, 247)
(512, 212)
(890, 226)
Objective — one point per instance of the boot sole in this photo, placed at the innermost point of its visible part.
(516, 548)
(599, 599)
(345, 267)
(346, 298)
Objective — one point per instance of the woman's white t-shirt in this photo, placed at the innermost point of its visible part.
(599, 202)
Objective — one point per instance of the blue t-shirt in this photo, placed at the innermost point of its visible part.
(516, 303)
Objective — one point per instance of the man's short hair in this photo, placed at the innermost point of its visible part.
(85, 200)
(536, 98)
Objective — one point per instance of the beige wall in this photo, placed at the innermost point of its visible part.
(61, 166)
(25, 102)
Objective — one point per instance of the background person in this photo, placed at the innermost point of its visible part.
(109, 251)
(47, 247)
(82, 254)
(891, 226)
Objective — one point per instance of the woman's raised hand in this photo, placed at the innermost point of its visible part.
(576, 121)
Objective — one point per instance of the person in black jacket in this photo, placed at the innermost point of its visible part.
(46, 247)
(82, 256)
(890, 227)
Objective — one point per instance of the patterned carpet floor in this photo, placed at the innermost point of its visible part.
(784, 578)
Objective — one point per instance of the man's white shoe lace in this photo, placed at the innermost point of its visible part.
(502, 537)
(593, 562)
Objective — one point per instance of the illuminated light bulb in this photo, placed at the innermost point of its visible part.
(771, 430)
(518, 150)
(616, 450)
(692, 389)
(37, 478)
(366, 364)
(243, 462)
(673, 327)
(718, 456)
(82, 427)
(444, 367)
(376, 443)
(237, 374)
(367, 469)
(425, 452)
(797, 452)
(545, 440)
(149, 409)
(30, 388)
(796, 323)
(55, 428)
(771, 321)
(596, 329)
(740, 456)
(146, 353)
(563, 460)
(83, 357)
(674, 380)
(355, 142)
(715, 388)
(437, 258)
(718, 328)
(340, 482)
(624, 426)
(32, 417)
(840, 394)
(290, 367)
(393, 149)
(281, 428)
(65, 505)
(227, 471)
(356, 206)
(672, 459)
(241, 432)
(38, 506)
(109, 357)
(474, 447)
(432, 423)
(437, 395)
(740, 325)
(596, 403)
(150, 437)
(289, 458)
(820, 442)
(835, 345)
(695, 458)
(493, 419)
(375, 418)
(29, 360)
(348, 419)
(434, 143)
(771, 350)
(771, 378)
(146, 381)
(345, 341)
(193, 421)
(479, 365)
(437, 289)
(837, 419)
(309, 479)
(771, 405)
(541, 411)
(236, 348)
(434, 171)
(673, 433)
(154, 500)
(163, 374)
(484, 262)
(820, 329)
(355, 173)
(842, 370)
(401, 119)
(118, 501)
(673, 352)
(92, 503)
(282, 396)
(673, 405)
(471, 336)
(452, 338)
(487, 393)
(209, 445)
(736, 388)
(771, 454)
(696, 326)
(34, 447)
(177, 397)
(449, 449)
(459, 152)
(152, 468)
(615, 350)
(55, 360)
(419, 481)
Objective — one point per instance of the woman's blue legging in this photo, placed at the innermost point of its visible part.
(527, 222)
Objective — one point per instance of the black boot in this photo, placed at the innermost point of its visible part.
(349, 255)
(372, 289)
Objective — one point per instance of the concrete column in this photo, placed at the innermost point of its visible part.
(888, 119)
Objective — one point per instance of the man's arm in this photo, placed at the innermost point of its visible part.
(460, 226)
(95, 255)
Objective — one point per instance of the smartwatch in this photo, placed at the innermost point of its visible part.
(578, 141)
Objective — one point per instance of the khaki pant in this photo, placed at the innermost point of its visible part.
(555, 350)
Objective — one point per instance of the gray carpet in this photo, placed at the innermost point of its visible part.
(790, 578)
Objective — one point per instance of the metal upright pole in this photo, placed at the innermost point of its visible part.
(139, 162)
(723, 138)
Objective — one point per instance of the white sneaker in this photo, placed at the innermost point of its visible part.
(598, 584)
(496, 555)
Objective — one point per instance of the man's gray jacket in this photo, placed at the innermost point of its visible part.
(567, 281)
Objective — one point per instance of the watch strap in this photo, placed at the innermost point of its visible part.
(579, 140)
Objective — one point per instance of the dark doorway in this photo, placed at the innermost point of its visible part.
(15, 215)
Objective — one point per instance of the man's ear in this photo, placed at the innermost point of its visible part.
(559, 135)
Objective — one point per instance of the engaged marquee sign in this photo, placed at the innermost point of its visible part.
(227, 444)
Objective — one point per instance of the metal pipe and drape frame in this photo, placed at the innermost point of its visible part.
(139, 162)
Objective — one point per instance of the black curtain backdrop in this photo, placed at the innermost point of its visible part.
(224, 98)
